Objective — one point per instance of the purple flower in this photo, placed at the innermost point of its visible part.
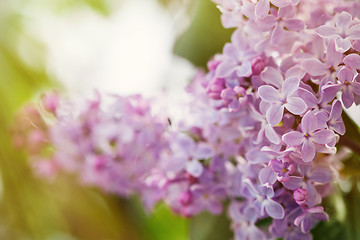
(266, 129)
(285, 228)
(347, 86)
(281, 100)
(324, 69)
(310, 134)
(234, 98)
(263, 200)
(244, 217)
(238, 57)
(335, 121)
(308, 177)
(343, 33)
(283, 169)
(352, 61)
(215, 88)
(310, 217)
(301, 196)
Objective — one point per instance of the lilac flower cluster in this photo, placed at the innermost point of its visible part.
(259, 132)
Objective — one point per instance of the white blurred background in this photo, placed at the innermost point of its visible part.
(129, 51)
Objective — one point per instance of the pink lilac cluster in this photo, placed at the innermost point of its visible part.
(259, 131)
(289, 68)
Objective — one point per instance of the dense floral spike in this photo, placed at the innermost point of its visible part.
(260, 130)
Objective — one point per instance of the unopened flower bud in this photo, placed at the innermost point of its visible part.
(185, 198)
(257, 65)
(301, 196)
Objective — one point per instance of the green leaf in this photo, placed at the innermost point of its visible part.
(204, 37)
(210, 227)
(159, 224)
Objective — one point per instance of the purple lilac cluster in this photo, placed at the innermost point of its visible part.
(259, 132)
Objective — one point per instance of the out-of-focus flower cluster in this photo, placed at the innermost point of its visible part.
(260, 133)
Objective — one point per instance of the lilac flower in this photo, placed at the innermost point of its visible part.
(215, 88)
(352, 61)
(310, 134)
(347, 86)
(285, 228)
(263, 200)
(244, 218)
(308, 177)
(324, 69)
(207, 197)
(258, 64)
(263, 6)
(310, 216)
(284, 99)
(335, 121)
(234, 98)
(283, 169)
(266, 129)
(237, 57)
(343, 33)
(301, 196)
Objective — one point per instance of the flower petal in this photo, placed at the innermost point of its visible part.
(274, 209)
(267, 175)
(290, 85)
(354, 32)
(293, 183)
(272, 76)
(293, 138)
(262, 8)
(226, 68)
(336, 110)
(329, 92)
(343, 21)
(338, 127)
(326, 31)
(271, 135)
(323, 136)
(244, 70)
(309, 123)
(347, 97)
(295, 105)
(345, 75)
(194, 168)
(321, 175)
(308, 150)
(294, 24)
(274, 114)
(314, 67)
(269, 93)
(342, 45)
(352, 61)
(356, 87)
(310, 100)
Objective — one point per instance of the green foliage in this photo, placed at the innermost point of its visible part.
(209, 227)
(160, 224)
(205, 36)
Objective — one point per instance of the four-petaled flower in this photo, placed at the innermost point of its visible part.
(310, 134)
(281, 100)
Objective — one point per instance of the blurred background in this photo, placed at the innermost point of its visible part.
(76, 46)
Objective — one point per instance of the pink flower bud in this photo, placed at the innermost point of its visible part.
(258, 64)
(50, 102)
(301, 196)
(215, 88)
(185, 198)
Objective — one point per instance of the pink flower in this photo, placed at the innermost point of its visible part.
(343, 33)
